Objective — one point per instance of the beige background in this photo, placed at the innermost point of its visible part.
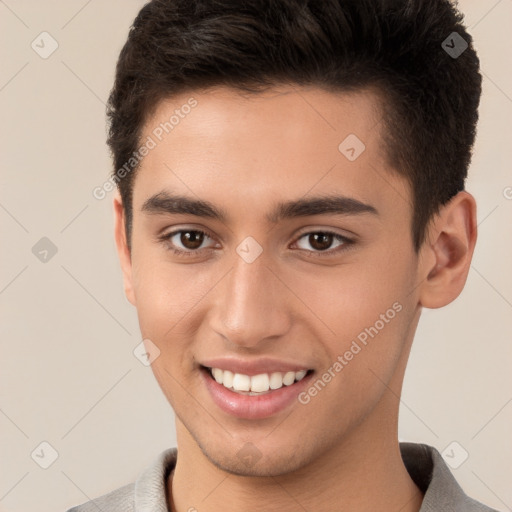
(68, 374)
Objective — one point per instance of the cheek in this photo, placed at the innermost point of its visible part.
(171, 301)
(167, 308)
(368, 309)
(361, 359)
(163, 295)
(349, 298)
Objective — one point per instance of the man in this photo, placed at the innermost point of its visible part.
(291, 195)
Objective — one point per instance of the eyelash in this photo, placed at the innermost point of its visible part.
(346, 242)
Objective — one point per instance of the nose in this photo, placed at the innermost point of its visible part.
(251, 308)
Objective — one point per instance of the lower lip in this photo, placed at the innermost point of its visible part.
(253, 407)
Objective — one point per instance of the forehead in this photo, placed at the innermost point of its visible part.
(293, 114)
(249, 150)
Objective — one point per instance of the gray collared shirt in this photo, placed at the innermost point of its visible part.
(424, 463)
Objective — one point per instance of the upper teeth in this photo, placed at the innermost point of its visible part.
(257, 383)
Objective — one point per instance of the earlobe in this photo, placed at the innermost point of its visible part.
(123, 250)
(448, 251)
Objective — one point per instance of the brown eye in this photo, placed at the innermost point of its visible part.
(320, 241)
(191, 239)
(187, 242)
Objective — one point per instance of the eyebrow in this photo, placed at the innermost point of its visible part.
(166, 203)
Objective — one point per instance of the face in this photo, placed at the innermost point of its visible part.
(271, 253)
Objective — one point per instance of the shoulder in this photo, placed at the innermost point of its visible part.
(119, 499)
(148, 492)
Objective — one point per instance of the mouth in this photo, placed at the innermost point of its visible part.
(255, 385)
(254, 396)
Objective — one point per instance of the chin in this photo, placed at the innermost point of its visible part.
(250, 461)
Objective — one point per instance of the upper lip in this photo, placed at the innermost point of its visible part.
(253, 367)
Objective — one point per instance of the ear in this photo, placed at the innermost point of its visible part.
(447, 252)
(122, 248)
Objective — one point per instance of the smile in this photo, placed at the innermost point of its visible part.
(256, 384)
(257, 396)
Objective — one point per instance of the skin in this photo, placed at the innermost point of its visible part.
(294, 302)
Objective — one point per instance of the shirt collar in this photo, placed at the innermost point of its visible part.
(430, 473)
(150, 494)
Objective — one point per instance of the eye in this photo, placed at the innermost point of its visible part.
(322, 242)
(191, 242)
(186, 242)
